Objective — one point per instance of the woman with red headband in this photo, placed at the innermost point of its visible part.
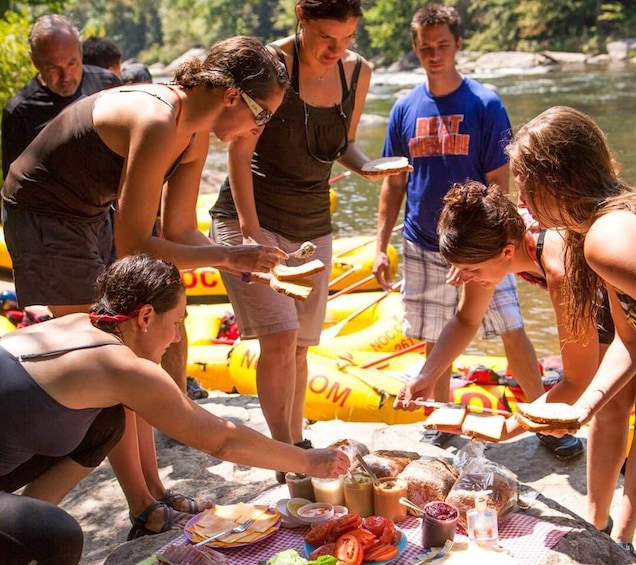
(61, 396)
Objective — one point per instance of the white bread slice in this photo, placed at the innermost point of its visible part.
(446, 419)
(385, 166)
(558, 414)
(299, 289)
(285, 273)
(488, 427)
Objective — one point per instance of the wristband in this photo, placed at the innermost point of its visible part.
(246, 277)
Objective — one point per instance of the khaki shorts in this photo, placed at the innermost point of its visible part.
(259, 310)
(429, 303)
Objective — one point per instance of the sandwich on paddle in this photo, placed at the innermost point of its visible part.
(458, 420)
(538, 417)
(488, 427)
(446, 419)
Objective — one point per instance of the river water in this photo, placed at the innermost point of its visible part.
(605, 93)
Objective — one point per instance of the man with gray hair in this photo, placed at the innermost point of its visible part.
(56, 53)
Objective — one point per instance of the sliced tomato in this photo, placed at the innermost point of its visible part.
(348, 550)
(381, 552)
(388, 532)
(375, 524)
(320, 533)
(326, 549)
(365, 537)
(344, 524)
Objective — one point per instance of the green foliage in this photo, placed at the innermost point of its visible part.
(15, 63)
(388, 24)
(160, 30)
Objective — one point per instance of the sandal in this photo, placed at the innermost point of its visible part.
(608, 529)
(172, 520)
(182, 503)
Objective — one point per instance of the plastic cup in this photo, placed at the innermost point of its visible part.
(300, 486)
(386, 498)
(358, 494)
(329, 490)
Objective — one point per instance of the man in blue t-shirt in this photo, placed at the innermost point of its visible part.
(452, 129)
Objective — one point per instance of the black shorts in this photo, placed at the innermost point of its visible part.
(103, 434)
(56, 261)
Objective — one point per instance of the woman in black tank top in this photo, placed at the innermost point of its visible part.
(278, 193)
(60, 376)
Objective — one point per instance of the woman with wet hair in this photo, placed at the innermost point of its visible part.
(567, 174)
(61, 396)
(483, 236)
(139, 148)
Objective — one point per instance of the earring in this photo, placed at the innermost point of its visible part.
(145, 329)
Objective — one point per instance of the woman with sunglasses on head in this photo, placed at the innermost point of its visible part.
(136, 147)
(568, 176)
(278, 194)
(64, 386)
(483, 236)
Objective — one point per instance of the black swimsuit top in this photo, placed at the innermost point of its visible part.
(68, 171)
(31, 421)
(291, 186)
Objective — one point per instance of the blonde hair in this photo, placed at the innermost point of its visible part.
(563, 156)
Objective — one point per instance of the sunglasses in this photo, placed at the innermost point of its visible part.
(261, 115)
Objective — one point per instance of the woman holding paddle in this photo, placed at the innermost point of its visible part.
(64, 384)
(567, 174)
(278, 194)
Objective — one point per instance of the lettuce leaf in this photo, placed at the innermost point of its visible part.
(291, 557)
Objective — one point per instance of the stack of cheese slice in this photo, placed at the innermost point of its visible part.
(221, 518)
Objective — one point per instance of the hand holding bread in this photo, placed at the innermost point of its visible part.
(549, 416)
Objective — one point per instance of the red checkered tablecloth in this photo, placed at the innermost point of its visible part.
(528, 539)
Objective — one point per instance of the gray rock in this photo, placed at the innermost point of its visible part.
(498, 60)
(566, 57)
(619, 50)
(601, 59)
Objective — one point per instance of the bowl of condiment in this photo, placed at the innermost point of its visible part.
(315, 512)
(294, 504)
(288, 520)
